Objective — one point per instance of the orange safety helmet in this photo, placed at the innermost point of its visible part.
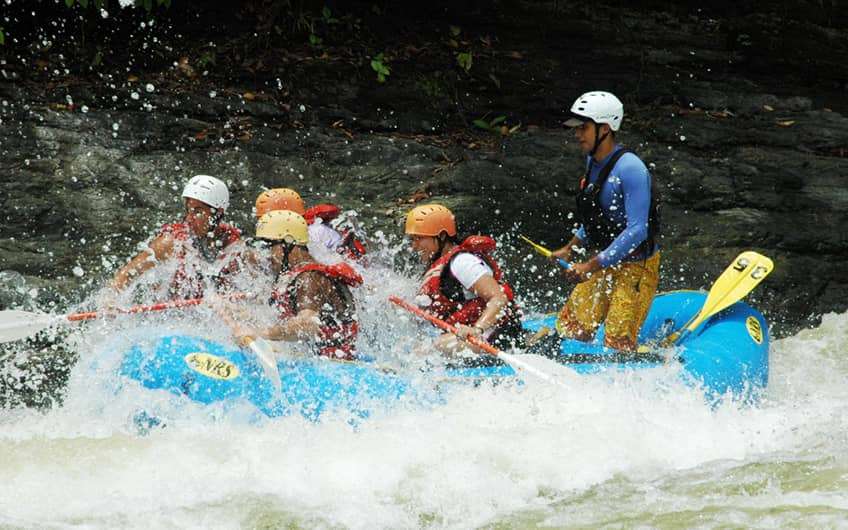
(430, 220)
(279, 199)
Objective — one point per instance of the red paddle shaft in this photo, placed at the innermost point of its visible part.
(471, 339)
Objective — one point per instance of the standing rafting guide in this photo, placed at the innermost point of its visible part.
(614, 249)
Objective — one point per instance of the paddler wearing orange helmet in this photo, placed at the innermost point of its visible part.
(318, 218)
(463, 284)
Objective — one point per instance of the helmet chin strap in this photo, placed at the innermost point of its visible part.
(284, 265)
(598, 139)
(442, 239)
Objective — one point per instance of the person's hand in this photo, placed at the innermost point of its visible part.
(107, 304)
(563, 253)
(244, 335)
(448, 343)
(580, 272)
(463, 331)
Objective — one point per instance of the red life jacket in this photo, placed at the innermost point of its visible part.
(338, 333)
(325, 212)
(183, 285)
(350, 246)
(453, 308)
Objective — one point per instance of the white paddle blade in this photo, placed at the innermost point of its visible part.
(540, 367)
(264, 352)
(17, 325)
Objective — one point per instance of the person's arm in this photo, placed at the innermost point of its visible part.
(496, 300)
(473, 274)
(161, 248)
(636, 190)
(311, 295)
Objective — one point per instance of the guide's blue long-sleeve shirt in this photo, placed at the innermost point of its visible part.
(625, 197)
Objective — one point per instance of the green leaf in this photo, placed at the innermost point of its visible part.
(464, 60)
(2, 37)
(482, 125)
(148, 5)
(326, 12)
(499, 119)
(455, 31)
(69, 3)
(83, 3)
(381, 69)
(315, 40)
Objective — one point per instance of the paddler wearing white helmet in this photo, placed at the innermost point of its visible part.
(197, 240)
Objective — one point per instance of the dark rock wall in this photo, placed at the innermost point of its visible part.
(739, 112)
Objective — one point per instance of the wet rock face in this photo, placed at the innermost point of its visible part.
(749, 150)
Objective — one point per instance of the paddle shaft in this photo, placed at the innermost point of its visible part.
(512, 360)
(161, 306)
(439, 323)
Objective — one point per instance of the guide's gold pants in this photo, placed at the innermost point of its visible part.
(620, 296)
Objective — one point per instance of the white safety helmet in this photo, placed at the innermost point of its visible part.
(600, 107)
(207, 190)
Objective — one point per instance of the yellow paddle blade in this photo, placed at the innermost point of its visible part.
(739, 279)
(539, 248)
(746, 272)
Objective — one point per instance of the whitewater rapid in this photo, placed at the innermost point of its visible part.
(634, 449)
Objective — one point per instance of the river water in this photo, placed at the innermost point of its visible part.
(636, 450)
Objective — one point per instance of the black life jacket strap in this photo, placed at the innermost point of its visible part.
(606, 170)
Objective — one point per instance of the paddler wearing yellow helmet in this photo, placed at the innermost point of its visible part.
(313, 301)
(463, 284)
(317, 217)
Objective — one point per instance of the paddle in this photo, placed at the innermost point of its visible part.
(546, 252)
(16, 325)
(264, 352)
(537, 365)
(739, 279)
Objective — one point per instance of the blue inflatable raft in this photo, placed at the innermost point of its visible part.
(727, 355)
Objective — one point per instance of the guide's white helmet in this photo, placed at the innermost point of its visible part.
(207, 190)
(600, 107)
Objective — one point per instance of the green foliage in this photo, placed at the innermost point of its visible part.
(312, 24)
(432, 86)
(497, 125)
(326, 15)
(379, 66)
(2, 37)
(464, 60)
(206, 58)
(481, 123)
